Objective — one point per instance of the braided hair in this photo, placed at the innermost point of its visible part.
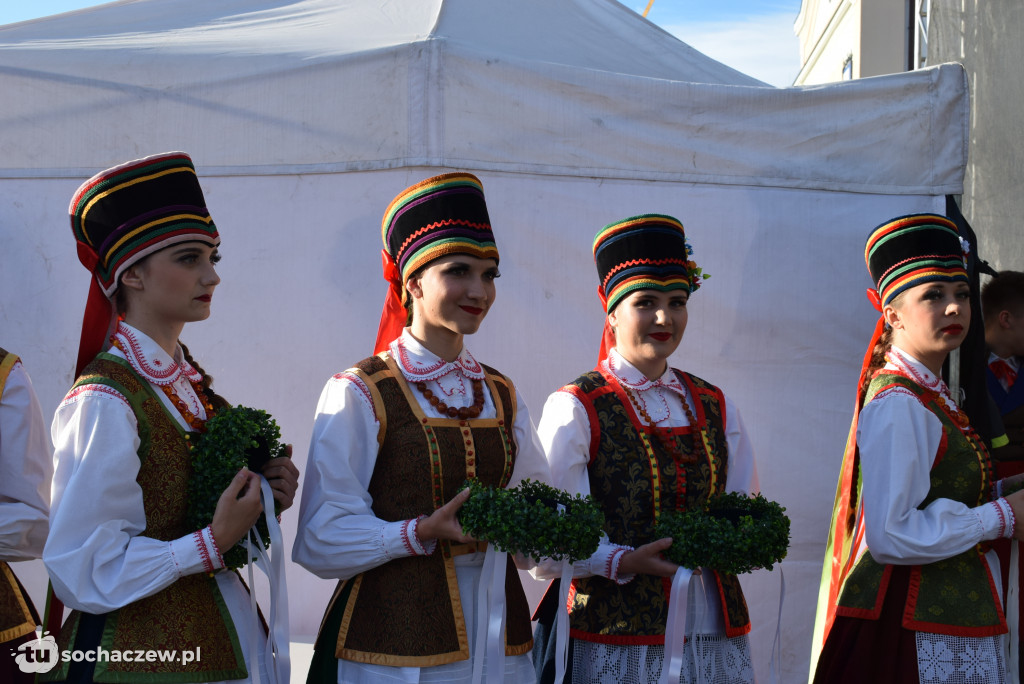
(881, 348)
(216, 400)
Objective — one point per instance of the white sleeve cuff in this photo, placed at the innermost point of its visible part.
(399, 540)
(996, 519)
(605, 562)
(195, 553)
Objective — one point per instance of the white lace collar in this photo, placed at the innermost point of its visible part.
(897, 359)
(629, 376)
(148, 358)
(419, 364)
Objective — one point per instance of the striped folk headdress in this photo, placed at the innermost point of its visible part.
(437, 217)
(911, 250)
(124, 214)
(646, 252)
(442, 215)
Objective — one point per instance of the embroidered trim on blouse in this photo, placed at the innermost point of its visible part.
(364, 391)
(204, 553)
(416, 370)
(93, 390)
(150, 368)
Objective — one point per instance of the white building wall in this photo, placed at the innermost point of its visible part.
(871, 34)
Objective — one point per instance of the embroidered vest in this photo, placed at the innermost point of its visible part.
(408, 612)
(957, 595)
(17, 614)
(190, 614)
(634, 479)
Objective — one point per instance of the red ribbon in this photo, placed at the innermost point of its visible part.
(875, 299)
(1003, 372)
(607, 334)
(846, 509)
(393, 316)
(97, 324)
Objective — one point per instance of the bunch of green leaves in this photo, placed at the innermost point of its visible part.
(527, 520)
(235, 437)
(734, 533)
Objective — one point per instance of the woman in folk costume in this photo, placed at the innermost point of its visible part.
(910, 589)
(394, 439)
(120, 553)
(644, 438)
(25, 472)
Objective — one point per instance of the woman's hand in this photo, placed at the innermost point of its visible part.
(647, 560)
(238, 509)
(283, 476)
(442, 523)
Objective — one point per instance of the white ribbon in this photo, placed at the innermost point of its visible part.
(675, 627)
(562, 623)
(700, 611)
(777, 642)
(276, 657)
(1013, 613)
(490, 618)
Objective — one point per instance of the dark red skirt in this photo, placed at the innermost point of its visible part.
(876, 651)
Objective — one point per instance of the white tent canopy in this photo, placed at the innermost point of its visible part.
(305, 117)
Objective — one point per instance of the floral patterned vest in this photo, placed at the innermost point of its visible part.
(957, 595)
(634, 479)
(191, 612)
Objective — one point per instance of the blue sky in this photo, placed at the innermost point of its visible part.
(753, 36)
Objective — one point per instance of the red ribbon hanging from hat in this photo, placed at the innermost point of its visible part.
(99, 313)
(393, 316)
(846, 512)
(607, 334)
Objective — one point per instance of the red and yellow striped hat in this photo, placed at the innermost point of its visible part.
(124, 214)
(436, 217)
(911, 250)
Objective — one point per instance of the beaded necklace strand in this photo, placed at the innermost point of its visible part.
(464, 413)
(194, 421)
(664, 435)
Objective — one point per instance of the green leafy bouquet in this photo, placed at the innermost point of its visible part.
(734, 533)
(235, 437)
(526, 520)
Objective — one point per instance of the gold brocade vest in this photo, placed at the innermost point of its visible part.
(634, 479)
(190, 614)
(957, 595)
(408, 612)
(17, 615)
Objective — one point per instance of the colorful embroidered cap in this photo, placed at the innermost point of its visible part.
(646, 252)
(911, 250)
(124, 214)
(442, 215)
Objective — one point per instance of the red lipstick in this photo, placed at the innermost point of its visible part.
(472, 310)
(662, 336)
(205, 298)
(954, 329)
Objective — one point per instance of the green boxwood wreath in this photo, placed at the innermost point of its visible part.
(236, 436)
(734, 534)
(526, 520)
